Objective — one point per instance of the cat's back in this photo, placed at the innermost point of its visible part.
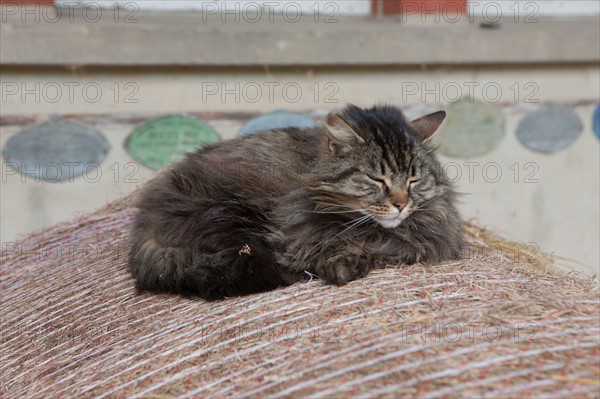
(285, 146)
(261, 165)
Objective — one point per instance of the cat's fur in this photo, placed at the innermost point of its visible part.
(253, 213)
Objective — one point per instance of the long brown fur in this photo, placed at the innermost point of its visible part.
(257, 212)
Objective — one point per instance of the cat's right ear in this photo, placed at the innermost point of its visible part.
(425, 126)
(340, 134)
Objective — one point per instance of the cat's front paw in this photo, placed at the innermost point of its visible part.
(341, 269)
(376, 261)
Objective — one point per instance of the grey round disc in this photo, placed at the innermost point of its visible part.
(471, 129)
(56, 150)
(549, 129)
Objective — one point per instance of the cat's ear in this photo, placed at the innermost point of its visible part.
(340, 133)
(425, 126)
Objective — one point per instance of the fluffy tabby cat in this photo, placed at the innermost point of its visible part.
(257, 212)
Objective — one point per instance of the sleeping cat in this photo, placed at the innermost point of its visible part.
(270, 209)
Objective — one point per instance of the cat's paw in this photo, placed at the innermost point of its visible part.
(341, 269)
(376, 261)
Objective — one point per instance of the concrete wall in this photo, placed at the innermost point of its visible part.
(479, 8)
(352, 7)
(556, 208)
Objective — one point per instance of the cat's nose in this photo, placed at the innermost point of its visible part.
(400, 205)
(399, 199)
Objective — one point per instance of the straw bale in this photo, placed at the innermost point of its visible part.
(489, 325)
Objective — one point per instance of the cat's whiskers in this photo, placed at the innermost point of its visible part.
(323, 206)
(334, 212)
(434, 198)
(356, 223)
(356, 220)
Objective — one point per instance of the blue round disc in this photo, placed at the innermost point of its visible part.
(596, 122)
(549, 129)
(276, 120)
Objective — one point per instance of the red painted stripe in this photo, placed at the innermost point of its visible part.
(390, 7)
(26, 1)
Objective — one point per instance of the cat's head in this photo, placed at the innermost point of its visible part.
(375, 162)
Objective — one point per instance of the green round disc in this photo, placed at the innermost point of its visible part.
(164, 140)
(471, 128)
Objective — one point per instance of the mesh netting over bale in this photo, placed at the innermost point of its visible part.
(486, 326)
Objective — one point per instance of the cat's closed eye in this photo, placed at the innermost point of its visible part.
(380, 182)
(412, 183)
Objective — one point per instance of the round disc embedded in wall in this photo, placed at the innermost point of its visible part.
(56, 150)
(549, 129)
(471, 128)
(276, 120)
(163, 140)
(596, 121)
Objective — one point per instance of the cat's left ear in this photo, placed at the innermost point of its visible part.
(425, 126)
(340, 133)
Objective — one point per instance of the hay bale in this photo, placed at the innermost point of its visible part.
(73, 326)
